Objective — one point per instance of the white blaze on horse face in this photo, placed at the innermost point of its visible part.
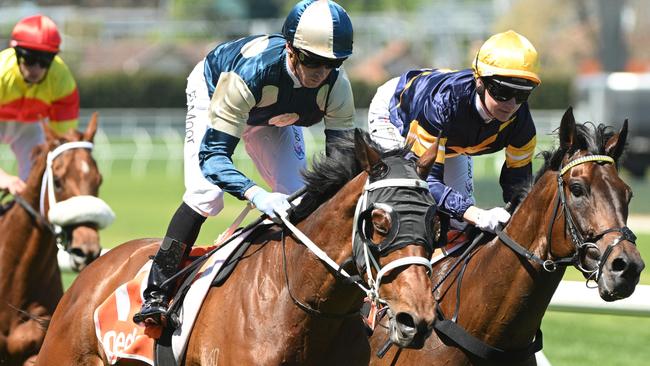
(84, 167)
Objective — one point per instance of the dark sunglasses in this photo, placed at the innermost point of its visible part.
(31, 58)
(313, 62)
(503, 93)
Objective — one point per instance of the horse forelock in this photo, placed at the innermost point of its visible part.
(589, 139)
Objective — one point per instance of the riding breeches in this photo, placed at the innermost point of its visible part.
(277, 152)
(22, 138)
(458, 172)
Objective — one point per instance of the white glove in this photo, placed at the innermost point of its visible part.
(272, 204)
(490, 220)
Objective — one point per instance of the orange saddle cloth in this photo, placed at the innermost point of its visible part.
(121, 338)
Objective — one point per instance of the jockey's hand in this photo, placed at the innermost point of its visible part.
(11, 183)
(490, 220)
(272, 204)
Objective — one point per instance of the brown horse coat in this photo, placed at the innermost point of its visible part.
(252, 319)
(30, 280)
(503, 296)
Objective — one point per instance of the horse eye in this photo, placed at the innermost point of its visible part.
(379, 170)
(57, 183)
(381, 222)
(577, 190)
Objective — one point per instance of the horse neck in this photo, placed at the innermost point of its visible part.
(27, 250)
(512, 289)
(329, 227)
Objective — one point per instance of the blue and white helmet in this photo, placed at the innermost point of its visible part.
(320, 27)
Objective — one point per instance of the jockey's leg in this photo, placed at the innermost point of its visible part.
(459, 171)
(200, 200)
(382, 130)
(23, 137)
(156, 295)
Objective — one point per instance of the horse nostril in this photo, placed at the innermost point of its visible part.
(405, 320)
(619, 265)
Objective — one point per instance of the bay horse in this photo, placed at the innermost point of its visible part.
(283, 305)
(59, 204)
(574, 214)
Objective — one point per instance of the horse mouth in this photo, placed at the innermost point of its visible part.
(615, 289)
(80, 260)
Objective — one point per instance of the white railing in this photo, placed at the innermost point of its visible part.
(142, 136)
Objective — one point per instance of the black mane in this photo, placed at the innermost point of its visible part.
(328, 174)
(588, 137)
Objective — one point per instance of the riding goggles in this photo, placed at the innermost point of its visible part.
(503, 91)
(32, 57)
(313, 61)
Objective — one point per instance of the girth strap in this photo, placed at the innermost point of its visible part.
(449, 330)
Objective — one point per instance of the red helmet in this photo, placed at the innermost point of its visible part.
(36, 32)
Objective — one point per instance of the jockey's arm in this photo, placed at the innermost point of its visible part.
(229, 110)
(64, 110)
(11, 183)
(518, 166)
(422, 134)
(339, 116)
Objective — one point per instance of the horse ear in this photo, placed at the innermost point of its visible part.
(567, 129)
(426, 161)
(50, 134)
(366, 154)
(616, 143)
(91, 129)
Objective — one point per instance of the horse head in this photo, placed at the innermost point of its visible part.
(69, 188)
(394, 236)
(595, 202)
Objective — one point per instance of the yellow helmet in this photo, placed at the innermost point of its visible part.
(507, 54)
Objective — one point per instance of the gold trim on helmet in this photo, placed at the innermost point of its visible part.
(507, 54)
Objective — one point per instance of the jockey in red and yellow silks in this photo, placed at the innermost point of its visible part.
(35, 86)
(56, 98)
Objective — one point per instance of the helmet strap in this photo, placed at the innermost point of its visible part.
(480, 90)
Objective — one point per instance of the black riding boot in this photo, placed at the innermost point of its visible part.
(156, 295)
(181, 234)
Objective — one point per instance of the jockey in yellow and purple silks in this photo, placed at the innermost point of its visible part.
(261, 90)
(35, 86)
(475, 111)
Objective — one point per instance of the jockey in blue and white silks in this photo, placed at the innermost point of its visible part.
(473, 112)
(262, 90)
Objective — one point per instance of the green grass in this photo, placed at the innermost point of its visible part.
(572, 339)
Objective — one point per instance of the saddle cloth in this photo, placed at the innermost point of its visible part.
(121, 338)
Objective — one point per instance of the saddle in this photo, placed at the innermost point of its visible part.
(208, 266)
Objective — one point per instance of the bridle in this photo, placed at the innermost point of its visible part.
(66, 213)
(368, 253)
(580, 242)
(450, 327)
